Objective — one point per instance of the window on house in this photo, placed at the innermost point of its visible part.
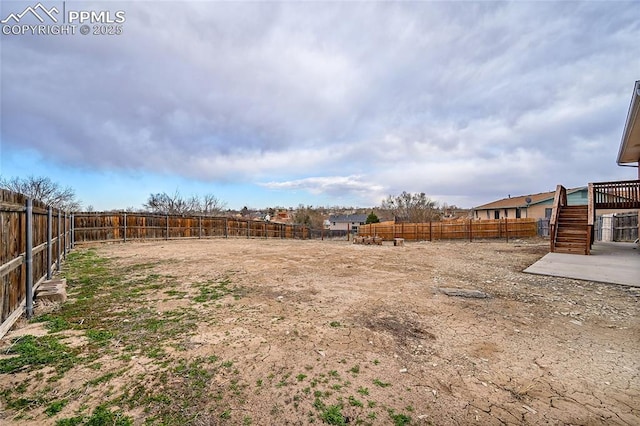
(496, 214)
(506, 213)
(547, 213)
(518, 213)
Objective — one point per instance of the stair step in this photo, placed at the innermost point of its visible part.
(567, 250)
(573, 222)
(579, 243)
(572, 234)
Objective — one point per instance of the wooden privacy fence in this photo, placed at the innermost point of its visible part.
(108, 226)
(625, 226)
(33, 239)
(451, 230)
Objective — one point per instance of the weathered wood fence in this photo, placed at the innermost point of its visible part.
(33, 240)
(459, 229)
(109, 226)
(625, 226)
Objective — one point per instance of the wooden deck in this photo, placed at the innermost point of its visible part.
(572, 226)
(616, 195)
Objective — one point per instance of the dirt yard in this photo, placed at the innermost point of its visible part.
(269, 332)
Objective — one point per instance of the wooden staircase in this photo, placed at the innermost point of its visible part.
(573, 233)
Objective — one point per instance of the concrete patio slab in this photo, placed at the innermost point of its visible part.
(614, 263)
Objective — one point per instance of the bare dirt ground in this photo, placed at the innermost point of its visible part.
(366, 330)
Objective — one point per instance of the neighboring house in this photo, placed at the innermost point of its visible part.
(537, 206)
(281, 216)
(346, 222)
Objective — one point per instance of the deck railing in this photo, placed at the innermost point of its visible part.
(616, 195)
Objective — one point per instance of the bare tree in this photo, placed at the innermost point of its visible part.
(309, 216)
(414, 208)
(212, 205)
(177, 204)
(43, 189)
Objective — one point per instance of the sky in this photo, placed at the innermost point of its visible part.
(267, 104)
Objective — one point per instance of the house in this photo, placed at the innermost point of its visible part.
(629, 152)
(538, 206)
(281, 216)
(346, 222)
(572, 227)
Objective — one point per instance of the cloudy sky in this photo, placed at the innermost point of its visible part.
(322, 103)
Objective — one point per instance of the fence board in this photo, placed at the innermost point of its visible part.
(460, 229)
(109, 226)
(625, 226)
(13, 275)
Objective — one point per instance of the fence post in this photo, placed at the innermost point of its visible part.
(73, 230)
(167, 229)
(64, 233)
(49, 230)
(58, 241)
(124, 236)
(226, 227)
(199, 226)
(29, 259)
(470, 230)
(248, 229)
(506, 228)
(265, 230)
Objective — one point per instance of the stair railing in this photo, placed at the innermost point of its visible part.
(591, 217)
(559, 201)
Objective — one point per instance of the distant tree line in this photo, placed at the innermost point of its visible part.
(405, 207)
(412, 207)
(163, 203)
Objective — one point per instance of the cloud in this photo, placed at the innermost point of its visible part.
(457, 99)
(338, 187)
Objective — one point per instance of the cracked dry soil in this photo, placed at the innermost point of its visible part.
(538, 350)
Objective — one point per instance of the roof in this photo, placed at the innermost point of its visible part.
(521, 201)
(630, 144)
(343, 218)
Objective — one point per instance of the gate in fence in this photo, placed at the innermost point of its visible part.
(622, 227)
(625, 226)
